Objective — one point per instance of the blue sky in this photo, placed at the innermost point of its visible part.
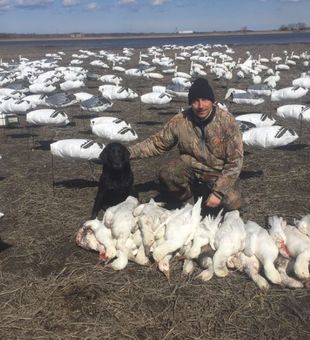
(134, 16)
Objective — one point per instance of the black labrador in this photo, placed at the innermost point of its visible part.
(116, 180)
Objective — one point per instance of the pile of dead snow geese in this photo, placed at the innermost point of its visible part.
(145, 233)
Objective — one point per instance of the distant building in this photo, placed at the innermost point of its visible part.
(185, 32)
(76, 35)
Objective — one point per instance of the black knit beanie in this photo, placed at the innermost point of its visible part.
(200, 89)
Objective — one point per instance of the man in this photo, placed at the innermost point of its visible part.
(211, 150)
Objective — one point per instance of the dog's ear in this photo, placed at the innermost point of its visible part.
(126, 155)
(104, 156)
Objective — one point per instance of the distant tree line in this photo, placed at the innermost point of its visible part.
(299, 26)
(68, 35)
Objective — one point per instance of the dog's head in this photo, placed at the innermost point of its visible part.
(115, 156)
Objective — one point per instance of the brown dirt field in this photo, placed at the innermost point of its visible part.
(52, 289)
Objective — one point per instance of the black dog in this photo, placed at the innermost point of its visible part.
(116, 180)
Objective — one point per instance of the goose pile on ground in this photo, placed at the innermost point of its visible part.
(145, 233)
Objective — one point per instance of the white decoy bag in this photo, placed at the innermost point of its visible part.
(79, 149)
(302, 82)
(294, 111)
(258, 119)
(114, 132)
(109, 120)
(269, 136)
(47, 117)
(156, 98)
(117, 92)
(288, 93)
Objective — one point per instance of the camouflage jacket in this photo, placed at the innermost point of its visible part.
(216, 146)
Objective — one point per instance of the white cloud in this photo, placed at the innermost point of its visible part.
(92, 6)
(127, 2)
(5, 5)
(33, 3)
(69, 3)
(158, 2)
(290, 0)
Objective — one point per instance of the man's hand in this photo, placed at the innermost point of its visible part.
(213, 201)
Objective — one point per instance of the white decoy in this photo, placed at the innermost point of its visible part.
(269, 136)
(11, 105)
(60, 99)
(153, 75)
(282, 67)
(115, 92)
(156, 98)
(302, 82)
(297, 111)
(78, 149)
(76, 62)
(71, 85)
(272, 79)
(41, 88)
(196, 70)
(262, 60)
(257, 79)
(288, 93)
(96, 104)
(275, 59)
(111, 79)
(49, 117)
(184, 82)
(110, 120)
(99, 63)
(114, 132)
(81, 96)
(258, 119)
(117, 67)
(243, 97)
(231, 91)
(260, 89)
(134, 72)
(181, 74)
(240, 74)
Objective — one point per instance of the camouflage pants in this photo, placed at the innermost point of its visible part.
(180, 179)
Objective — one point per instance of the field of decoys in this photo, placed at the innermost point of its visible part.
(141, 270)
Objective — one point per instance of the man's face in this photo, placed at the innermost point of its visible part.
(202, 107)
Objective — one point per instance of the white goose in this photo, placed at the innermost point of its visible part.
(259, 243)
(180, 230)
(229, 240)
(292, 244)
